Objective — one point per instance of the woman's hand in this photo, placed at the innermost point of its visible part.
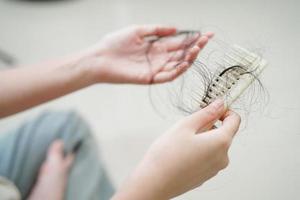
(127, 56)
(185, 156)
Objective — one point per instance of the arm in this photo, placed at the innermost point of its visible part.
(118, 58)
(184, 157)
(26, 87)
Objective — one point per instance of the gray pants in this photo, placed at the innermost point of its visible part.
(23, 150)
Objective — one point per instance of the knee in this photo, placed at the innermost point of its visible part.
(68, 126)
(68, 123)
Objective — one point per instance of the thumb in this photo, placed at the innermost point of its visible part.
(230, 125)
(206, 117)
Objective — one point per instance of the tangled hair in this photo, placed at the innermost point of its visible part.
(187, 43)
(188, 93)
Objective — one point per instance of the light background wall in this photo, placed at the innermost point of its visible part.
(265, 161)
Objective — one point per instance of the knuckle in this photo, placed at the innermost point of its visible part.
(211, 112)
(136, 28)
(182, 122)
(224, 142)
(172, 78)
(224, 162)
(238, 117)
(148, 78)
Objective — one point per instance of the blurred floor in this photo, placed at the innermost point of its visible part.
(265, 162)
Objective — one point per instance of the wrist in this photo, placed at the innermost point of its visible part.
(137, 192)
(75, 71)
(144, 184)
(93, 63)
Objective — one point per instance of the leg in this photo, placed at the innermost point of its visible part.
(23, 151)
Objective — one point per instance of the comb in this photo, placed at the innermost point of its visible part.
(242, 67)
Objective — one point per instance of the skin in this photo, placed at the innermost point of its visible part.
(181, 159)
(117, 58)
(52, 178)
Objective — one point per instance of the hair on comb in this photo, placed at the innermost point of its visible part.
(215, 74)
(242, 67)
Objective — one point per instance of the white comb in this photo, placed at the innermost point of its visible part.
(242, 67)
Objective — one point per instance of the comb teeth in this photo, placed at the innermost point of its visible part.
(242, 67)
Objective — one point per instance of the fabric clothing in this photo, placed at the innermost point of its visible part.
(23, 150)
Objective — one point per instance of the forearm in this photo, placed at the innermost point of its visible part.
(133, 191)
(145, 183)
(26, 87)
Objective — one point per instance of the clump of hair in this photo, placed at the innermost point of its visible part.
(194, 89)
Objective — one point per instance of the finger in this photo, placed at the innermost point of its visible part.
(69, 159)
(209, 126)
(192, 54)
(155, 30)
(56, 151)
(194, 51)
(200, 119)
(181, 42)
(170, 66)
(230, 125)
(165, 76)
(209, 34)
(202, 42)
(177, 55)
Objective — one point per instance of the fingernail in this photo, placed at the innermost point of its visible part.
(218, 104)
